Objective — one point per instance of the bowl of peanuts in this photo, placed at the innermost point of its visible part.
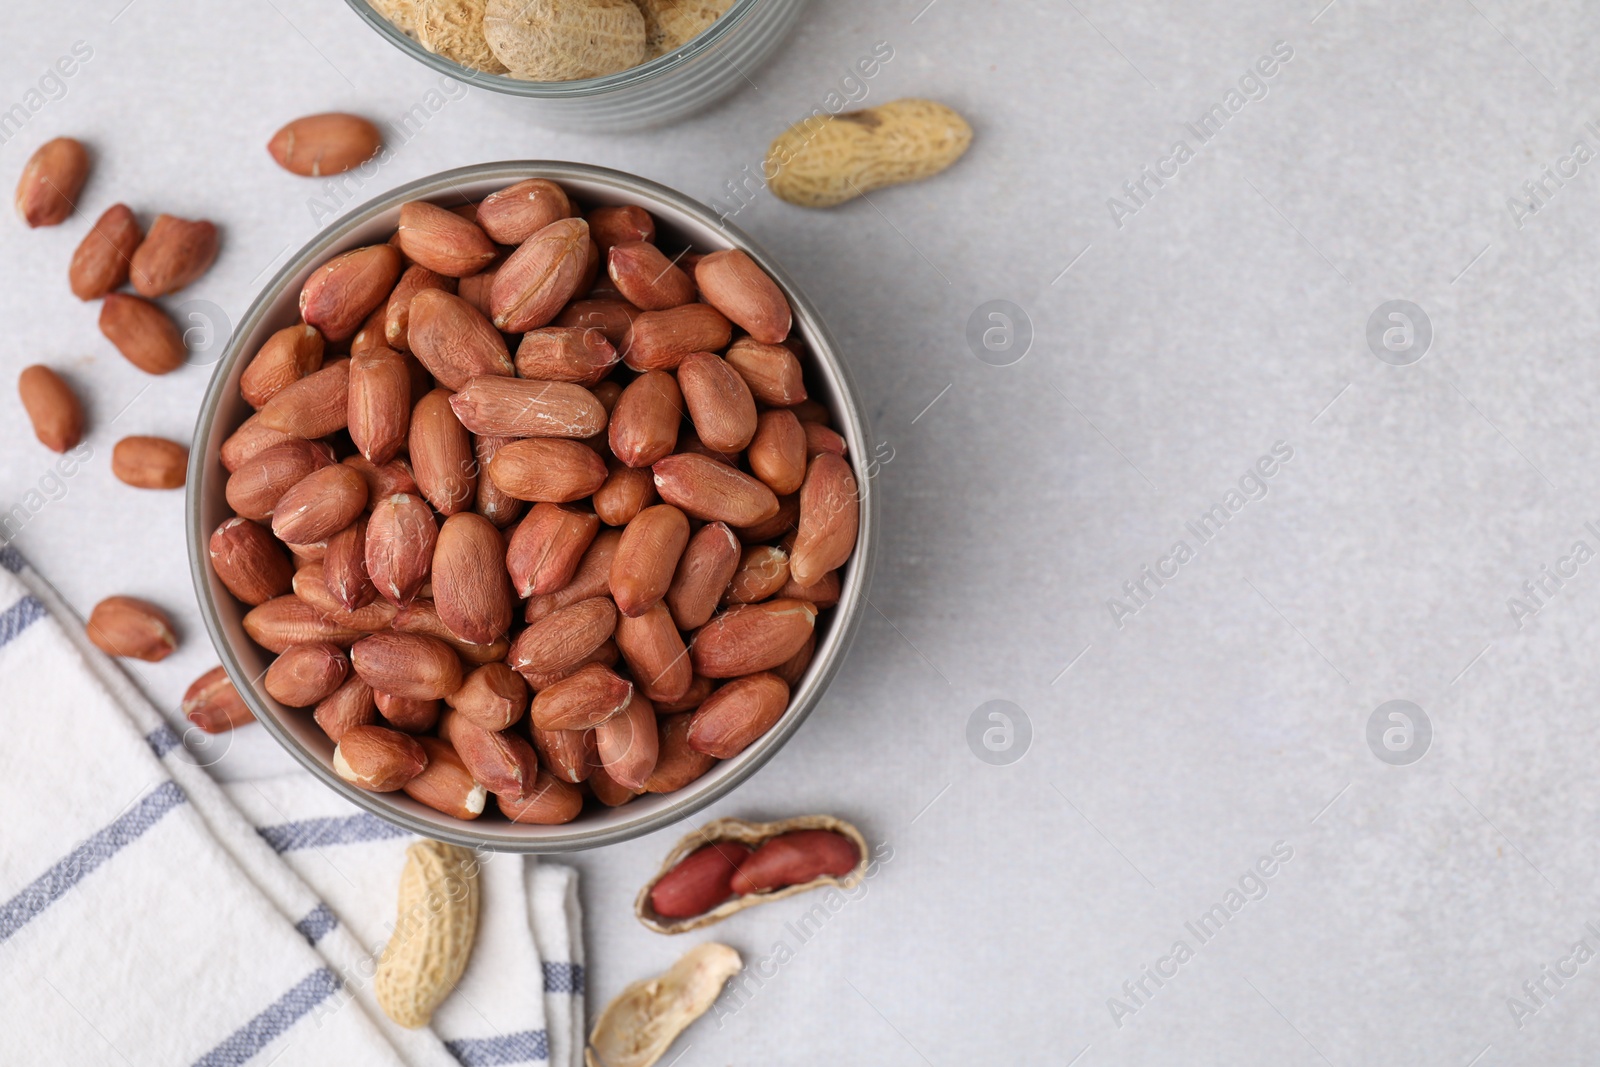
(526, 508)
(591, 65)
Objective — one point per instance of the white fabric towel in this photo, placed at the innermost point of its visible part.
(558, 929)
(143, 918)
(497, 1015)
(129, 932)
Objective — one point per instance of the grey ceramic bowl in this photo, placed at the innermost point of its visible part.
(665, 89)
(679, 219)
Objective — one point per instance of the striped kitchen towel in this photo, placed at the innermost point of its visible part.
(558, 929)
(132, 929)
(60, 688)
(498, 1013)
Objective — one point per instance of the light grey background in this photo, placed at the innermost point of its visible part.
(1227, 314)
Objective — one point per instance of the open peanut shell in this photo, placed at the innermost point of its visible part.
(752, 834)
(642, 1022)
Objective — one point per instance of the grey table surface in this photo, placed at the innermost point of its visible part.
(1172, 335)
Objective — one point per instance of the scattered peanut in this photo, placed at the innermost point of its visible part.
(213, 704)
(101, 261)
(433, 934)
(52, 407)
(144, 333)
(150, 462)
(172, 255)
(319, 145)
(826, 160)
(123, 626)
(48, 190)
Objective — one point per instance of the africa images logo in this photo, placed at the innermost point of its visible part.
(1399, 333)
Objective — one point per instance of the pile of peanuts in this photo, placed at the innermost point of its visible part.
(472, 424)
(116, 252)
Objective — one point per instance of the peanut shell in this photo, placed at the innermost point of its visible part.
(823, 161)
(432, 939)
(637, 1027)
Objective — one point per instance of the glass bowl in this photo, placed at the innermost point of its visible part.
(662, 90)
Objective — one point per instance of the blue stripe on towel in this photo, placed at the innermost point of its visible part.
(255, 1035)
(317, 923)
(50, 886)
(12, 560)
(563, 977)
(162, 739)
(341, 830)
(18, 617)
(524, 1046)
